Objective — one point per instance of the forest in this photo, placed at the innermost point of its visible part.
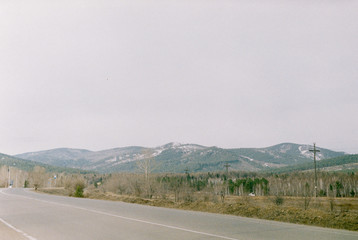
(181, 186)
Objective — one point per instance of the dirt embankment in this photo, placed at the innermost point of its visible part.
(341, 213)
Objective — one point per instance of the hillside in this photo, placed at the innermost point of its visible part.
(62, 157)
(175, 157)
(285, 153)
(342, 163)
(28, 165)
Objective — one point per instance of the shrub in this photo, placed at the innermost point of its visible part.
(352, 193)
(278, 200)
(79, 190)
(26, 184)
(322, 193)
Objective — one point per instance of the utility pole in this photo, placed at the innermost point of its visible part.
(15, 176)
(227, 167)
(314, 150)
(9, 177)
(8, 173)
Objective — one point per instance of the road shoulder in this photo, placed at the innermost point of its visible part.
(8, 233)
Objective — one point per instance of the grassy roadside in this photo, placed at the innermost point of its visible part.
(340, 213)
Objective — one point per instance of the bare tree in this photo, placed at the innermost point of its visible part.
(147, 165)
(38, 177)
(4, 180)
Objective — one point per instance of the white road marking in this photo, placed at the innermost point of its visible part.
(126, 218)
(258, 221)
(17, 230)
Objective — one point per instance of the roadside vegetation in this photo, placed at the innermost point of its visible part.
(281, 197)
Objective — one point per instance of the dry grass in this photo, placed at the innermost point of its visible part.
(341, 213)
(56, 191)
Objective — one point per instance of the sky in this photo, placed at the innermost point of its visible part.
(227, 73)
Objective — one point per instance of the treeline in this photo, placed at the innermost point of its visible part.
(218, 185)
(40, 177)
(188, 186)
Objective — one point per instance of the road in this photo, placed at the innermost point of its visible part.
(28, 215)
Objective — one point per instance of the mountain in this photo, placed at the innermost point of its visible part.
(286, 153)
(176, 157)
(62, 157)
(28, 165)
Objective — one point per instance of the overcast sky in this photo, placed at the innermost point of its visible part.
(104, 74)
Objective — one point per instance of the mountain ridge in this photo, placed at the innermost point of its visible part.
(178, 157)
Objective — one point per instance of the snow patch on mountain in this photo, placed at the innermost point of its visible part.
(285, 147)
(112, 160)
(250, 159)
(180, 147)
(158, 152)
(304, 150)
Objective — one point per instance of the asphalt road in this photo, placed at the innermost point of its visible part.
(28, 215)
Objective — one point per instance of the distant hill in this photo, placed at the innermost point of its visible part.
(342, 163)
(62, 157)
(176, 157)
(28, 165)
